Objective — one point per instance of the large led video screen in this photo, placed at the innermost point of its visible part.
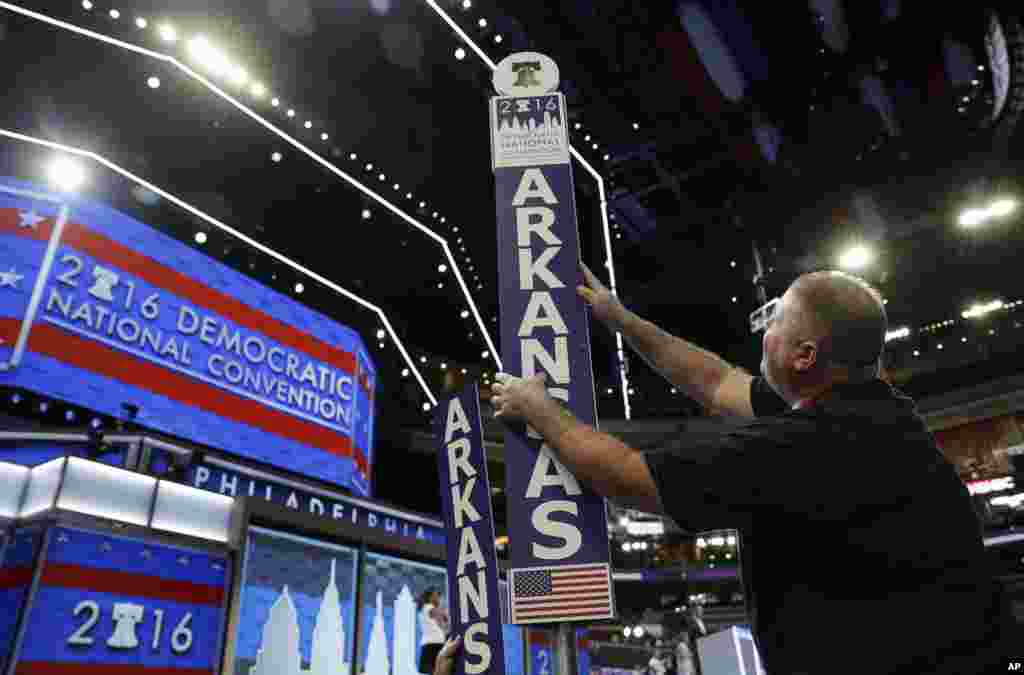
(128, 321)
(390, 635)
(297, 606)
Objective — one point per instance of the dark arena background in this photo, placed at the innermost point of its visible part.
(247, 249)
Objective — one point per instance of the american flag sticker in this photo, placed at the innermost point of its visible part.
(561, 593)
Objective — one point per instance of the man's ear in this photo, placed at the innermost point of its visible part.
(807, 356)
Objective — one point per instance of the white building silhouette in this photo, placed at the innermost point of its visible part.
(404, 652)
(279, 652)
(377, 662)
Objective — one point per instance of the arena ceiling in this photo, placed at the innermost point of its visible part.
(760, 135)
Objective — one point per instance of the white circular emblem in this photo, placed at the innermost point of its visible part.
(525, 74)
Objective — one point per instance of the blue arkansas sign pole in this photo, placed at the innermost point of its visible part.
(472, 558)
(558, 534)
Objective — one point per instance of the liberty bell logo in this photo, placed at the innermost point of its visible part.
(126, 616)
(526, 74)
(103, 286)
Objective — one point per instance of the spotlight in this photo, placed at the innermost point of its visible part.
(467, 4)
(153, 82)
(114, 14)
(44, 406)
(485, 355)
(381, 177)
(308, 125)
(625, 547)
(578, 125)
(607, 157)
(628, 630)
(69, 415)
(141, 23)
(442, 268)
(423, 205)
(972, 217)
(638, 632)
(258, 90)
(405, 372)
(464, 371)
(482, 23)
(856, 257)
(395, 186)
(426, 406)
(460, 54)
(276, 157)
(200, 49)
(167, 33)
(636, 127)
(423, 359)
(15, 398)
(275, 101)
(369, 167)
(67, 174)
(380, 333)
(324, 136)
(86, 4)
(587, 138)
(299, 287)
(366, 214)
(408, 195)
(200, 237)
(464, 314)
(444, 366)
(1002, 207)
(96, 423)
(291, 113)
(353, 156)
(497, 39)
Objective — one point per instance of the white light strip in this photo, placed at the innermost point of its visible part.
(609, 264)
(302, 148)
(230, 230)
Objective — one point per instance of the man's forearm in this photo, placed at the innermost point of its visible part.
(604, 463)
(696, 371)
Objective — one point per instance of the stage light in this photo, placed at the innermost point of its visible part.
(208, 56)
(275, 101)
(442, 220)
(353, 156)
(114, 14)
(972, 217)
(299, 287)
(366, 214)
(587, 138)
(259, 90)
(638, 632)
(1002, 207)
(86, 4)
(276, 157)
(153, 82)
(464, 314)
(408, 195)
(606, 157)
(444, 366)
(15, 398)
(69, 415)
(636, 127)
(467, 4)
(497, 39)
(732, 263)
(485, 354)
(381, 177)
(482, 23)
(167, 32)
(200, 237)
(140, 22)
(455, 229)
(731, 540)
(856, 257)
(423, 205)
(734, 298)
(291, 113)
(631, 391)
(405, 372)
(981, 309)
(426, 406)
(963, 339)
(594, 146)
(897, 334)
(626, 630)
(308, 124)
(939, 345)
(44, 406)
(442, 268)
(67, 174)
(96, 423)
(324, 136)
(460, 54)
(423, 359)
(369, 167)
(239, 76)
(609, 391)
(381, 333)
(434, 215)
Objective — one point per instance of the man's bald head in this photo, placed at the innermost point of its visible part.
(845, 314)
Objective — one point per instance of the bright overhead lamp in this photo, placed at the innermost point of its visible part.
(856, 257)
(67, 174)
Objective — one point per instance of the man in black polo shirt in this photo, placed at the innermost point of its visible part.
(861, 550)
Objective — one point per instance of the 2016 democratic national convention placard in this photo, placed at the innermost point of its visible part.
(558, 535)
(101, 310)
(472, 557)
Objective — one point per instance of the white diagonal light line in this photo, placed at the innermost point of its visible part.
(609, 263)
(287, 138)
(235, 233)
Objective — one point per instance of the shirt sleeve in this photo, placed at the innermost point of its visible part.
(764, 400)
(714, 480)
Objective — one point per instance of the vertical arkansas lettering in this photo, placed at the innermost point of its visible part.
(471, 568)
(544, 341)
